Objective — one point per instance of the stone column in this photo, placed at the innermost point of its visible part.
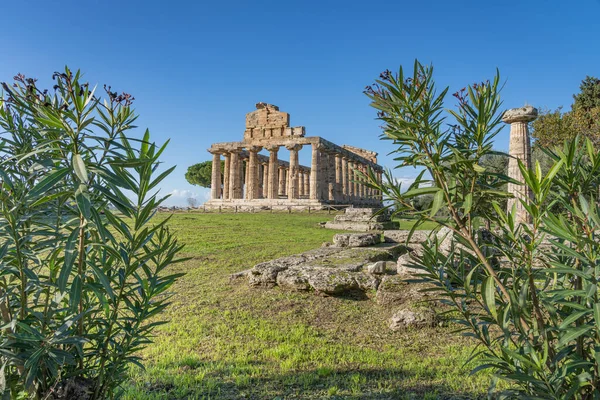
(282, 181)
(265, 179)
(301, 184)
(235, 189)
(338, 179)
(273, 171)
(226, 193)
(246, 170)
(306, 183)
(315, 184)
(519, 149)
(344, 179)
(215, 179)
(350, 186)
(361, 188)
(355, 181)
(294, 172)
(331, 177)
(252, 173)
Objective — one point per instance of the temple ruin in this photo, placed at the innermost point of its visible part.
(250, 179)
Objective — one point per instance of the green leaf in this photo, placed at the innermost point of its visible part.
(488, 292)
(468, 203)
(48, 182)
(80, 169)
(573, 334)
(83, 202)
(103, 280)
(438, 201)
(70, 255)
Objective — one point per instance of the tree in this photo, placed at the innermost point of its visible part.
(526, 292)
(200, 174)
(589, 94)
(552, 128)
(83, 275)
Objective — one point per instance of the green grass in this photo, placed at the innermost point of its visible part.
(229, 341)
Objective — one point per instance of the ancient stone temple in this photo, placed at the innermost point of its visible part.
(251, 179)
(519, 149)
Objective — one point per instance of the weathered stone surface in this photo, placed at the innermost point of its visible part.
(361, 219)
(377, 268)
(401, 236)
(521, 114)
(412, 317)
(356, 239)
(240, 275)
(293, 278)
(332, 282)
(404, 265)
(367, 282)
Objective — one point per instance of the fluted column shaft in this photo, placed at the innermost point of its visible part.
(345, 179)
(226, 172)
(265, 188)
(338, 178)
(235, 190)
(315, 187)
(519, 149)
(273, 172)
(252, 173)
(294, 172)
(215, 181)
(331, 177)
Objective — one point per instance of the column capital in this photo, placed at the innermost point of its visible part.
(293, 147)
(522, 114)
(236, 150)
(254, 149)
(272, 147)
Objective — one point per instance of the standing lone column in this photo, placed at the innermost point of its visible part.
(215, 181)
(294, 174)
(226, 177)
(273, 171)
(519, 149)
(252, 173)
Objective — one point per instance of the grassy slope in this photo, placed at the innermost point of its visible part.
(228, 341)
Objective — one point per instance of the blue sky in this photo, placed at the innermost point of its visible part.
(197, 67)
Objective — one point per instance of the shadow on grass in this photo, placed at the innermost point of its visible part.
(229, 382)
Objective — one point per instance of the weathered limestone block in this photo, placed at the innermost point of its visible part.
(405, 263)
(332, 282)
(294, 278)
(401, 236)
(412, 317)
(356, 239)
(367, 282)
(265, 274)
(378, 268)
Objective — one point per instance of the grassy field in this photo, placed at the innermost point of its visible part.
(228, 341)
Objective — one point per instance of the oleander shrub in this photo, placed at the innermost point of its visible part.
(526, 292)
(83, 273)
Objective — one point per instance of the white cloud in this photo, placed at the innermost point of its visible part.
(183, 194)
